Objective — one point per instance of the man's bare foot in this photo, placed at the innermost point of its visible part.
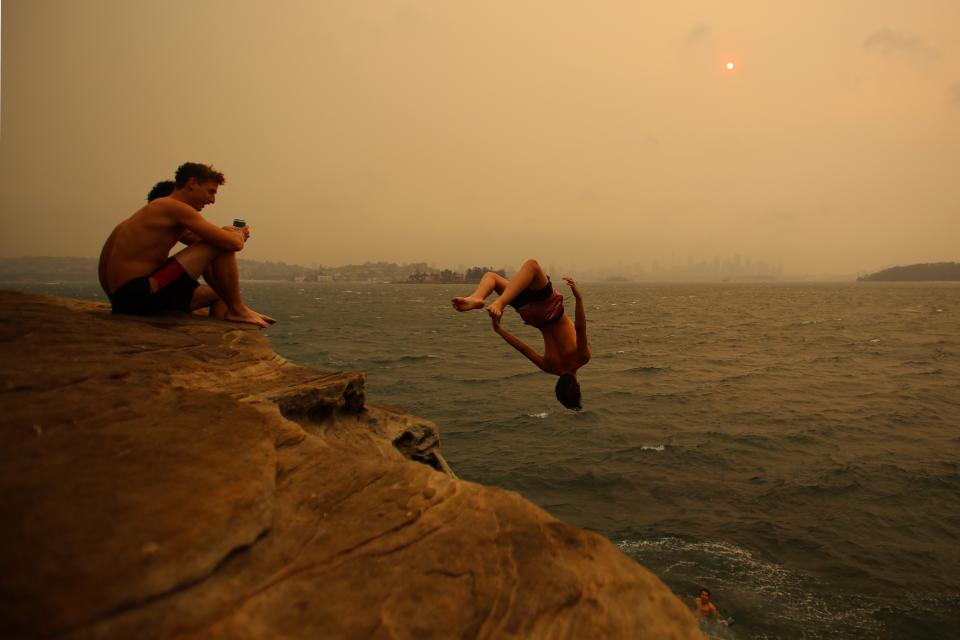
(248, 316)
(495, 310)
(221, 311)
(466, 303)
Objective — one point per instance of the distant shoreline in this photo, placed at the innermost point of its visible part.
(50, 269)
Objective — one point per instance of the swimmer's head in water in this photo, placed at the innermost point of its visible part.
(705, 592)
(161, 190)
(568, 391)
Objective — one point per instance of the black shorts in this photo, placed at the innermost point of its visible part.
(134, 297)
(527, 296)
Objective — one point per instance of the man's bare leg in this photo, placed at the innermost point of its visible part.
(530, 276)
(210, 275)
(227, 278)
(204, 296)
(488, 283)
(200, 256)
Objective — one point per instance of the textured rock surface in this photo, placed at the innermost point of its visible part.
(173, 477)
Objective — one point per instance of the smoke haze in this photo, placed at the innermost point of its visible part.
(460, 133)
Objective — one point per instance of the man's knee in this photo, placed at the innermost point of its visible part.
(213, 249)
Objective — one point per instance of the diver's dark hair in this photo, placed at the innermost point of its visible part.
(568, 391)
(161, 190)
(704, 590)
(202, 173)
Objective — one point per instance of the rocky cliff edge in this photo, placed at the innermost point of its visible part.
(172, 477)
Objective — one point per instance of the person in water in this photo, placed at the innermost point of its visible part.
(530, 292)
(137, 273)
(705, 608)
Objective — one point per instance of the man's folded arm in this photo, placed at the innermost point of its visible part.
(188, 217)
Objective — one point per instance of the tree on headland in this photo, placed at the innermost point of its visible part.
(448, 276)
(474, 274)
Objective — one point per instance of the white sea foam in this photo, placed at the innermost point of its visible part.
(538, 415)
(734, 570)
(655, 447)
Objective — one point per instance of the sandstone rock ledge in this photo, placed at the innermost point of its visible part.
(174, 478)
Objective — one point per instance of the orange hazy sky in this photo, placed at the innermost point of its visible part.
(582, 133)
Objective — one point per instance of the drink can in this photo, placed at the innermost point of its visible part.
(239, 222)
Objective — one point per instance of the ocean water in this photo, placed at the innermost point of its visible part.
(795, 448)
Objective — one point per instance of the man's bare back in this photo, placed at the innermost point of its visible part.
(139, 245)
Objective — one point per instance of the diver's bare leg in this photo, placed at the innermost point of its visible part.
(530, 276)
(489, 283)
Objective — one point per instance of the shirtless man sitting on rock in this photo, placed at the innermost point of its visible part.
(531, 293)
(138, 275)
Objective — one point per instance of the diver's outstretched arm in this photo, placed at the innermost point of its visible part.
(517, 343)
(580, 321)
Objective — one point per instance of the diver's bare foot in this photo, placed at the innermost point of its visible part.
(266, 318)
(466, 303)
(495, 310)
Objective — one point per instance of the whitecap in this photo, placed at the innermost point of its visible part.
(655, 447)
(538, 415)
